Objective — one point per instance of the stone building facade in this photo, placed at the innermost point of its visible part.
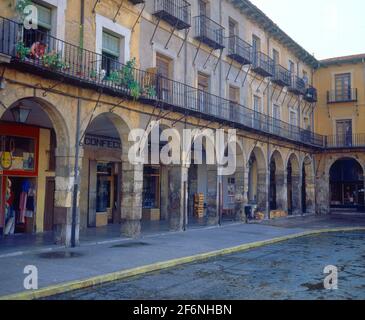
(94, 70)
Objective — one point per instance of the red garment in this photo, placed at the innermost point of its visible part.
(11, 199)
(22, 206)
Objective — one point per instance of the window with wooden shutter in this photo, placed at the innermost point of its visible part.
(111, 44)
(44, 16)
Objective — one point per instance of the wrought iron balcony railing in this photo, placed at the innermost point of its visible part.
(175, 12)
(263, 64)
(297, 85)
(53, 58)
(341, 141)
(281, 76)
(311, 95)
(239, 50)
(209, 32)
(345, 95)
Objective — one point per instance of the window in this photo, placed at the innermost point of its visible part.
(291, 67)
(344, 132)
(203, 8)
(232, 27)
(305, 78)
(276, 57)
(234, 98)
(257, 106)
(163, 65)
(44, 27)
(276, 112)
(203, 86)
(307, 125)
(343, 87)
(256, 43)
(110, 52)
(293, 119)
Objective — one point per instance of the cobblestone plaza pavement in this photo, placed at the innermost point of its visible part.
(58, 265)
(289, 270)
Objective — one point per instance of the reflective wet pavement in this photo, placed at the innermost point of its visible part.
(288, 270)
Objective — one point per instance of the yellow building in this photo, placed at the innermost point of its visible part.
(90, 71)
(340, 116)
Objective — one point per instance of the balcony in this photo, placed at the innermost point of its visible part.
(340, 96)
(239, 50)
(282, 76)
(174, 12)
(311, 95)
(345, 141)
(209, 32)
(297, 85)
(263, 64)
(52, 58)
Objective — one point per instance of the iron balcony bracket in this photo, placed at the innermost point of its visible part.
(171, 34)
(219, 59)
(139, 16)
(206, 61)
(117, 13)
(154, 31)
(184, 41)
(95, 4)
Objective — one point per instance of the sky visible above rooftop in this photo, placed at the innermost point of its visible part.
(325, 28)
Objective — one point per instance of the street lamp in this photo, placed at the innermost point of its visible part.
(20, 114)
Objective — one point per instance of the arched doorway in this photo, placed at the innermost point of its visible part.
(277, 194)
(257, 180)
(293, 186)
(347, 185)
(203, 184)
(101, 175)
(30, 131)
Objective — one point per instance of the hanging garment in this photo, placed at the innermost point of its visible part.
(30, 205)
(22, 206)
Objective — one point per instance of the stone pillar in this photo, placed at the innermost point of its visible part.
(281, 190)
(164, 183)
(297, 193)
(177, 197)
(322, 195)
(263, 185)
(92, 193)
(310, 194)
(65, 177)
(212, 195)
(241, 195)
(131, 202)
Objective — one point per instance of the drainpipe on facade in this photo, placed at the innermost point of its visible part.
(77, 143)
(268, 94)
(76, 176)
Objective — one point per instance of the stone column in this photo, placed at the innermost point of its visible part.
(281, 190)
(65, 177)
(164, 183)
(212, 195)
(297, 193)
(310, 194)
(177, 196)
(323, 194)
(241, 195)
(131, 202)
(263, 185)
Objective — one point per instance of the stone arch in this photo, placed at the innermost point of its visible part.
(47, 114)
(293, 184)
(277, 183)
(233, 186)
(58, 121)
(346, 184)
